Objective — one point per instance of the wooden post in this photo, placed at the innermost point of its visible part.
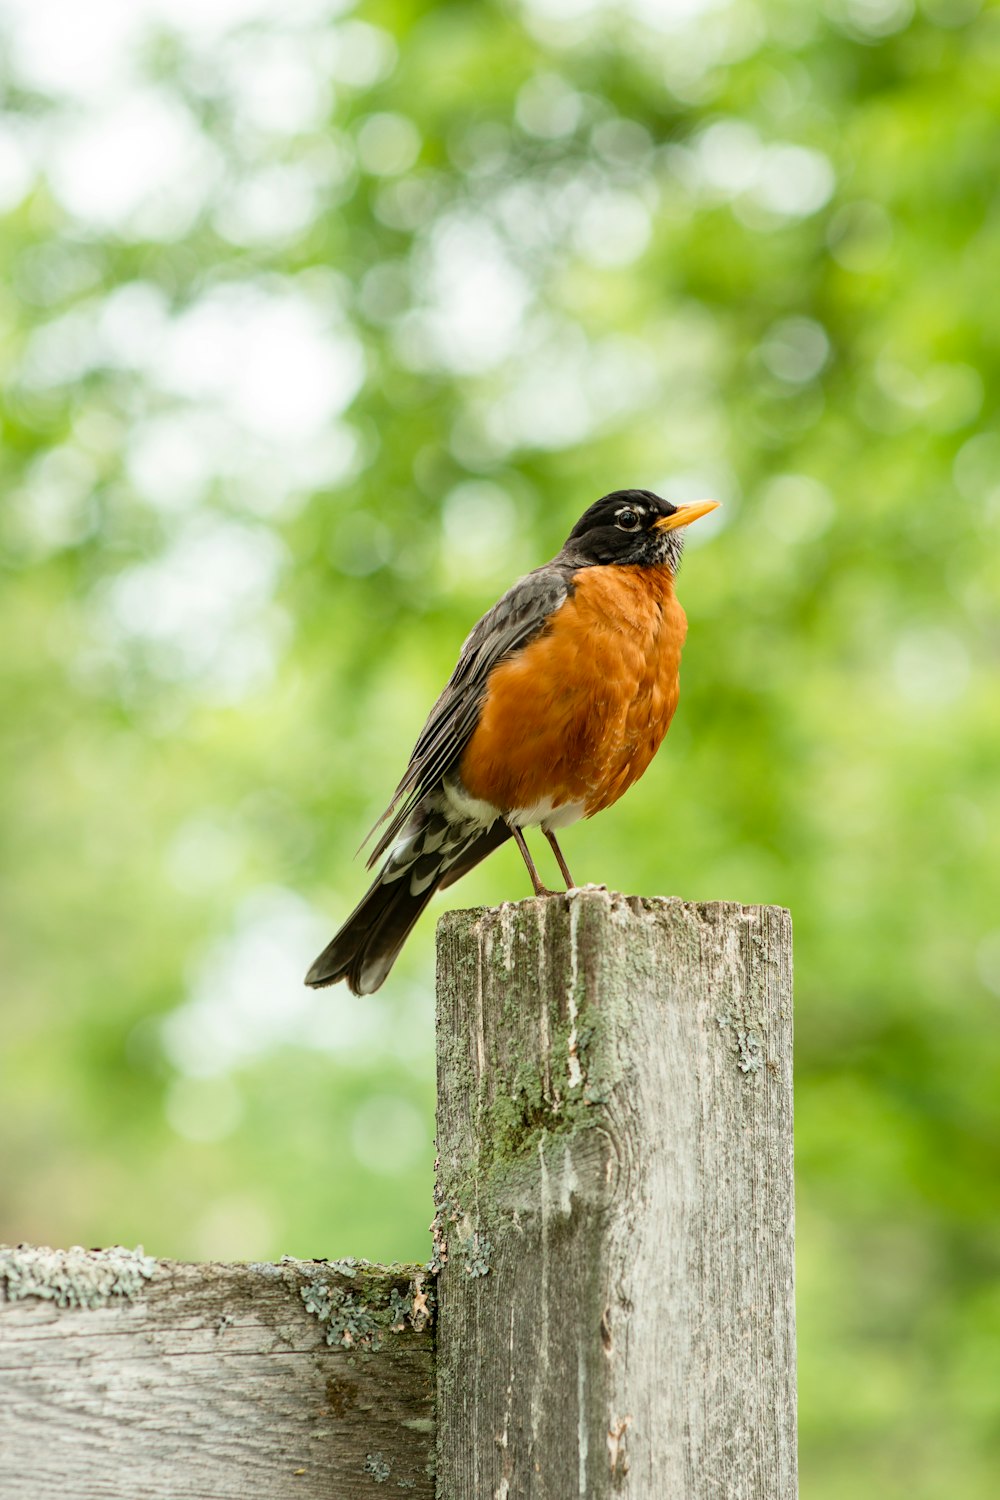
(615, 1209)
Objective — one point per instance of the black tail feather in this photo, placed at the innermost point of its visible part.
(368, 944)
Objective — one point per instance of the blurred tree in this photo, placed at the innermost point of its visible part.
(316, 329)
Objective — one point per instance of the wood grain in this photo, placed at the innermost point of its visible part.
(211, 1382)
(615, 1215)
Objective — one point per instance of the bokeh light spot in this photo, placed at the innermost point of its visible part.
(388, 1134)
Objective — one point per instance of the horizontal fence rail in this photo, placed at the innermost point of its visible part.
(125, 1376)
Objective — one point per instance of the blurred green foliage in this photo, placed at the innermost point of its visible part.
(318, 328)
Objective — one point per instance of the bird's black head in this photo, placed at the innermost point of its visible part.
(632, 527)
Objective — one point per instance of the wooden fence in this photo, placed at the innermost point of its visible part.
(609, 1308)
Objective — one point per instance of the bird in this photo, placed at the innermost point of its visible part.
(560, 698)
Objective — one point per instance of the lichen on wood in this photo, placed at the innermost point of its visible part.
(359, 1309)
(74, 1277)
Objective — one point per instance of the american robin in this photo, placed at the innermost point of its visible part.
(560, 699)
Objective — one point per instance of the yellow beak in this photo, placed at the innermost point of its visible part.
(685, 514)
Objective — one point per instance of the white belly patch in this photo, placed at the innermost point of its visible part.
(545, 814)
(471, 808)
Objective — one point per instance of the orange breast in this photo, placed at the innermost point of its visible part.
(579, 714)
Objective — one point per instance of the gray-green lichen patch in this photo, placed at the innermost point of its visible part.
(360, 1315)
(446, 1213)
(477, 1255)
(376, 1466)
(348, 1321)
(349, 1265)
(749, 1042)
(74, 1277)
(751, 1051)
(450, 1222)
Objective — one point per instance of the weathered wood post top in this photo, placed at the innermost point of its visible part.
(615, 1202)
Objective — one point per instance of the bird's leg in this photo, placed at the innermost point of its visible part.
(570, 882)
(540, 890)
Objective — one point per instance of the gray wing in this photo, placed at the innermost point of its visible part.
(515, 620)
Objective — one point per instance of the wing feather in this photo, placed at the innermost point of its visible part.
(513, 622)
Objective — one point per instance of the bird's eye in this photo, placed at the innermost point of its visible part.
(627, 520)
